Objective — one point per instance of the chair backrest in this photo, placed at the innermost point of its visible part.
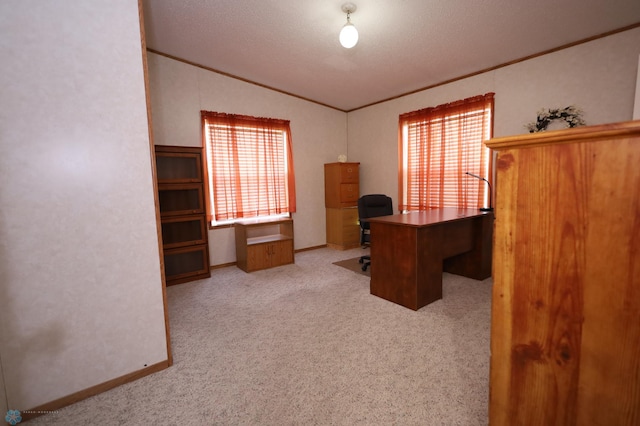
(374, 205)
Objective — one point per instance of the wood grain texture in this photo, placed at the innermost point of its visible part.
(565, 330)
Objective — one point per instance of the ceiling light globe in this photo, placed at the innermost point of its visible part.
(348, 36)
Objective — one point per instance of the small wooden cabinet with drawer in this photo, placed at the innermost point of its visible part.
(262, 244)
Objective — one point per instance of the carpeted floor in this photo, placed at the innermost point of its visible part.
(306, 344)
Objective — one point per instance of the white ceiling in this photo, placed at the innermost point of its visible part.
(404, 46)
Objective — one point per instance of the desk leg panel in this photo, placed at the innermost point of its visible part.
(394, 264)
(431, 242)
(406, 264)
(475, 264)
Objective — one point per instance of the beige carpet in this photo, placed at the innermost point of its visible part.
(307, 344)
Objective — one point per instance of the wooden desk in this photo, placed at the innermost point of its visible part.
(410, 251)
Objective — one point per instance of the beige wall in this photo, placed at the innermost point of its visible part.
(598, 76)
(81, 292)
(180, 91)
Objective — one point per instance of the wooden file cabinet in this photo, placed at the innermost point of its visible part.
(185, 243)
(341, 184)
(341, 193)
(262, 244)
(343, 229)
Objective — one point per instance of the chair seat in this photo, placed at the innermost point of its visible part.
(371, 205)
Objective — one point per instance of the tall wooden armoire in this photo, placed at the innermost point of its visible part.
(565, 332)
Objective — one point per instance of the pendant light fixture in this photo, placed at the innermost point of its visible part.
(348, 34)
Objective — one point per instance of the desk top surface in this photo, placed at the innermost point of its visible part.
(429, 217)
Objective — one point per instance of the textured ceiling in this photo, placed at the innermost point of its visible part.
(404, 46)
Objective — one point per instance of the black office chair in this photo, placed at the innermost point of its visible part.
(372, 205)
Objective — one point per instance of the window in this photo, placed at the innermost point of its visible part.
(437, 147)
(250, 167)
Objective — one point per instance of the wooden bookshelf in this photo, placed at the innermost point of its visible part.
(185, 241)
